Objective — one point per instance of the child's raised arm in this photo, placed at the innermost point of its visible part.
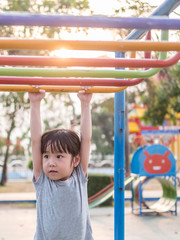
(86, 129)
(36, 132)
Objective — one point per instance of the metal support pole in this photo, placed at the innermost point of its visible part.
(119, 136)
(119, 162)
(119, 166)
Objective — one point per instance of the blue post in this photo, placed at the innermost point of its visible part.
(119, 136)
(119, 162)
(140, 198)
(119, 147)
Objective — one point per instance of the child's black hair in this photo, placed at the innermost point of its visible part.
(61, 140)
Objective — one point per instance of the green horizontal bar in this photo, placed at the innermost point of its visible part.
(54, 72)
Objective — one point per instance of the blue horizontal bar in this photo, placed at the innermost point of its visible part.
(17, 201)
(154, 132)
(30, 19)
(148, 212)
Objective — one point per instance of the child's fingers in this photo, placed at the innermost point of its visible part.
(42, 90)
(38, 87)
(81, 91)
(35, 86)
(85, 88)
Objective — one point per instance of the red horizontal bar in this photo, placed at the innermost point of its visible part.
(70, 81)
(87, 62)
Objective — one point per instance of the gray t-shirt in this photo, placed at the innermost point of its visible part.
(62, 208)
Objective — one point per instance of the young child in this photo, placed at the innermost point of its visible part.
(60, 162)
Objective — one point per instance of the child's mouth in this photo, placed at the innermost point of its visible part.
(52, 171)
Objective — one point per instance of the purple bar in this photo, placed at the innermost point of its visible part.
(29, 19)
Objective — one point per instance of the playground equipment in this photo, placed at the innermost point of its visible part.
(142, 134)
(155, 161)
(141, 24)
(107, 192)
(148, 162)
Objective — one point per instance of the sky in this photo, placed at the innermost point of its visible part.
(106, 7)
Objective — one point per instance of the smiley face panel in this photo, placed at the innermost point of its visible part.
(157, 163)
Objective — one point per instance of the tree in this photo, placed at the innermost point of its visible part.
(12, 104)
(103, 122)
(18, 149)
(162, 96)
(135, 8)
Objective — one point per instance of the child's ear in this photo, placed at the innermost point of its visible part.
(76, 160)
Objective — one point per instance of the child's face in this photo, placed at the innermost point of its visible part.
(59, 166)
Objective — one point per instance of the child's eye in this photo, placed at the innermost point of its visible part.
(46, 156)
(59, 156)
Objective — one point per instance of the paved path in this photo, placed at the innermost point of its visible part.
(19, 224)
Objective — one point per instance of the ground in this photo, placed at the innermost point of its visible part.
(18, 186)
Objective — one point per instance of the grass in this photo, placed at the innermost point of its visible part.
(18, 205)
(27, 186)
(14, 187)
(18, 187)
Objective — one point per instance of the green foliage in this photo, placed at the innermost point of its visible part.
(30, 164)
(135, 8)
(44, 6)
(161, 95)
(171, 84)
(103, 127)
(96, 183)
(14, 101)
(17, 5)
(18, 148)
(156, 101)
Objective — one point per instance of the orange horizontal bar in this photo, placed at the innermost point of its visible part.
(49, 44)
(21, 88)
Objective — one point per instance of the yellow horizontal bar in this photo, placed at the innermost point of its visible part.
(47, 44)
(25, 88)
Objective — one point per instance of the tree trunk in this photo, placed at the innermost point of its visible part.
(74, 121)
(4, 172)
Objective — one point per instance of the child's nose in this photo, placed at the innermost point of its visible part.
(52, 161)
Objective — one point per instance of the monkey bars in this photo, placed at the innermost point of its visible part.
(56, 76)
(55, 72)
(63, 80)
